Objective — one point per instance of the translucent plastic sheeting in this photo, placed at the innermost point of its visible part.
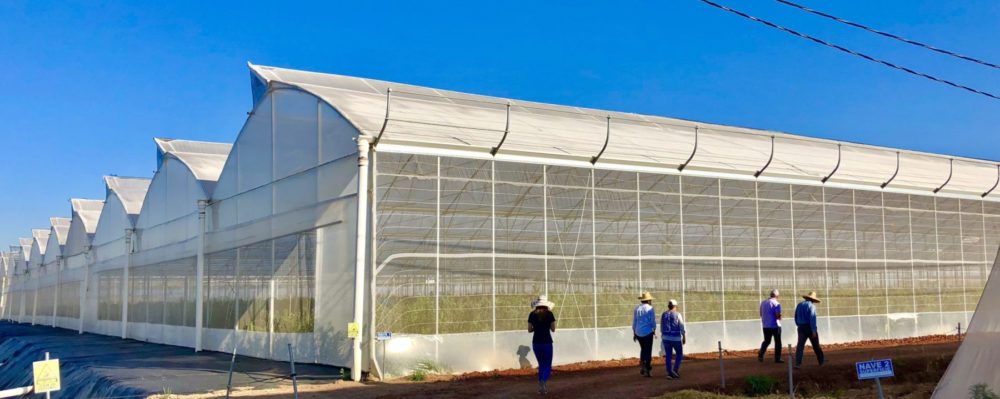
(426, 117)
(56, 240)
(463, 245)
(86, 214)
(975, 361)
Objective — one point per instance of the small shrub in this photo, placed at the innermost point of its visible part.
(418, 375)
(982, 391)
(759, 385)
(345, 374)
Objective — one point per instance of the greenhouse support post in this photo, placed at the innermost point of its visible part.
(199, 273)
(125, 283)
(361, 240)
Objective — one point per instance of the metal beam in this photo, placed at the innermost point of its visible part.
(893, 173)
(951, 169)
(693, 151)
(769, 159)
(835, 167)
(607, 138)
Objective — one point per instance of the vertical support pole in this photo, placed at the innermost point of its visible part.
(57, 288)
(360, 252)
(885, 264)
(545, 223)
(937, 255)
(372, 250)
(913, 268)
(437, 261)
(722, 262)
(878, 385)
(47, 394)
(493, 249)
(857, 265)
(126, 286)
(84, 287)
(722, 368)
(232, 364)
(199, 275)
(791, 379)
(826, 262)
(593, 250)
(680, 209)
(791, 228)
(638, 226)
(756, 208)
(961, 248)
(293, 375)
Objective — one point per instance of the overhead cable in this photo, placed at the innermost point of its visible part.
(852, 52)
(889, 35)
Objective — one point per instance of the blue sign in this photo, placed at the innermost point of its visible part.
(875, 369)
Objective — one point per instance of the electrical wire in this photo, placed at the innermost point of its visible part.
(852, 52)
(889, 35)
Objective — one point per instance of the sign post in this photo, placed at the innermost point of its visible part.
(383, 336)
(875, 370)
(46, 375)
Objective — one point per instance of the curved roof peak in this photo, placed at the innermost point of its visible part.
(40, 239)
(60, 226)
(89, 211)
(131, 191)
(204, 158)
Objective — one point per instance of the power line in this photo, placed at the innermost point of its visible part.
(890, 35)
(852, 52)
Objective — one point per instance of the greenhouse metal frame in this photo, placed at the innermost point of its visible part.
(438, 216)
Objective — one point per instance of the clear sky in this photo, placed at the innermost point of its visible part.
(85, 87)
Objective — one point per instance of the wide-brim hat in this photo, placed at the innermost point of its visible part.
(543, 300)
(811, 296)
(646, 296)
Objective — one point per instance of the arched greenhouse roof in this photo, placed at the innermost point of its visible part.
(57, 239)
(86, 213)
(414, 116)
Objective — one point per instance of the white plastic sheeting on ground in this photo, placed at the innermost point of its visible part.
(977, 358)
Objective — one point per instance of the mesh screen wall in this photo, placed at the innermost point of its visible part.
(464, 245)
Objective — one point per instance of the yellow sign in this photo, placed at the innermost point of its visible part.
(353, 330)
(46, 375)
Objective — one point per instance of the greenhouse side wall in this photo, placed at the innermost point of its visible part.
(464, 245)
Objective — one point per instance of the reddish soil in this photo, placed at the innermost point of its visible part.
(917, 361)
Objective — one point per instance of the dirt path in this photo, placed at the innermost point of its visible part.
(919, 360)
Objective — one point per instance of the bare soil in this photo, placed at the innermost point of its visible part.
(919, 363)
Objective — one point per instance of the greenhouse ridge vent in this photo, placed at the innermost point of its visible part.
(440, 215)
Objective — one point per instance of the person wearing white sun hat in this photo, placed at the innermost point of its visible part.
(643, 332)
(674, 337)
(542, 323)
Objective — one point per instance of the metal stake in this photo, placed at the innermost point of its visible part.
(878, 385)
(47, 395)
(291, 361)
(722, 368)
(791, 381)
(959, 331)
(229, 384)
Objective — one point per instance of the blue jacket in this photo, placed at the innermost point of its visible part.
(805, 315)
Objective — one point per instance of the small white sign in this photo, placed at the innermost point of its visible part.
(383, 335)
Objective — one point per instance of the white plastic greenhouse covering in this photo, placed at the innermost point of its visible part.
(471, 206)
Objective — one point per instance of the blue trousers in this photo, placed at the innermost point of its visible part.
(543, 353)
(678, 348)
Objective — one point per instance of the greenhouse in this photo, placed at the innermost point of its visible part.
(349, 207)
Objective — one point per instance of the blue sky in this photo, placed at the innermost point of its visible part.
(86, 86)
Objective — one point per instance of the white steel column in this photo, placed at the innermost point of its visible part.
(593, 251)
(885, 256)
(791, 230)
(638, 225)
(984, 274)
(126, 286)
(857, 274)
(84, 287)
(55, 296)
(361, 241)
(373, 193)
(722, 259)
(437, 261)
(913, 269)
(756, 208)
(545, 223)
(826, 261)
(937, 255)
(493, 246)
(961, 248)
(199, 273)
(680, 206)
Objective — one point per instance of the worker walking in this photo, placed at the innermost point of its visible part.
(770, 320)
(643, 332)
(674, 338)
(805, 322)
(542, 323)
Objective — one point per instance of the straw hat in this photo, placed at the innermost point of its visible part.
(542, 301)
(811, 296)
(645, 297)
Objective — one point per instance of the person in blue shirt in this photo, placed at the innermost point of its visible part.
(674, 338)
(542, 323)
(643, 332)
(770, 320)
(805, 321)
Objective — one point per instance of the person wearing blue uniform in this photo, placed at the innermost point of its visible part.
(542, 323)
(674, 338)
(643, 332)
(770, 320)
(805, 322)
